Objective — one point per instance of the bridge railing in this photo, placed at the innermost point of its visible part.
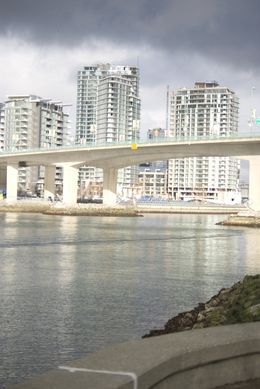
(140, 142)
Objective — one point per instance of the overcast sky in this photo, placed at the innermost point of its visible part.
(175, 43)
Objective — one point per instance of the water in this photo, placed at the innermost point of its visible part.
(71, 285)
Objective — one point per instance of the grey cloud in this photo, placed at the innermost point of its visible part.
(226, 30)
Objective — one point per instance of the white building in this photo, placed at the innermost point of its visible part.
(31, 121)
(108, 110)
(152, 176)
(206, 110)
(86, 115)
(118, 110)
(152, 182)
(118, 117)
(1, 126)
(2, 170)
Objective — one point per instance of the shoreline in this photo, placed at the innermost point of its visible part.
(47, 208)
(242, 219)
(92, 211)
(60, 209)
(191, 209)
(252, 222)
(239, 303)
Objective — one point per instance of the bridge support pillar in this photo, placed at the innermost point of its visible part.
(49, 182)
(254, 183)
(70, 184)
(2, 177)
(109, 186)
(11, 182)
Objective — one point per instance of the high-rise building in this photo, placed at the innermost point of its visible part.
(118, 117)
(205, 110)
(2, 169)
(118, 110)
(108, 110)
(86, 115)
(1, 126)
(88, 81)
(30, 121)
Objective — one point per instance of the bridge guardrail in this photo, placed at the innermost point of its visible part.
(139, 142)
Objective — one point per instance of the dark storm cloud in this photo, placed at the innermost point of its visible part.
(225, 30)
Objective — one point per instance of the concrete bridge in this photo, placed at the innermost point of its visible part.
(111, 157)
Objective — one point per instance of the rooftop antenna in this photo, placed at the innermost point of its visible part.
(252, 119)
(167, 109)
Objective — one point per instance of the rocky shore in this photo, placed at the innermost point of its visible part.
(92, 210)
(58, 208)
(24, 206)
(238, 304)
(193, 208)
(67, 210)
(240, 220)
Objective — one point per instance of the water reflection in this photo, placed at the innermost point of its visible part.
(66, 253)
(251, 248)
(70, 285)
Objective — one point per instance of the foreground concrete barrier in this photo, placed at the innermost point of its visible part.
(196, 359)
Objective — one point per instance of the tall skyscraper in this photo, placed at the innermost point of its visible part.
(207, 109)
(1, 126)
(88, 81)
(108, 110)
(118, 110)
(2, 169)
(30, 121)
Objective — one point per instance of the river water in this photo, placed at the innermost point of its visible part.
(71, 285)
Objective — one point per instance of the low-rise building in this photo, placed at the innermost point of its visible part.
(152, 177)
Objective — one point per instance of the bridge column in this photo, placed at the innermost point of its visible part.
(254, 183)
(49, 182)
(11, 181)
(2, 177)
(109, 186)
(70, 184)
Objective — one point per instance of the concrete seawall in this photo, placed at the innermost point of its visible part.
(198, 359)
